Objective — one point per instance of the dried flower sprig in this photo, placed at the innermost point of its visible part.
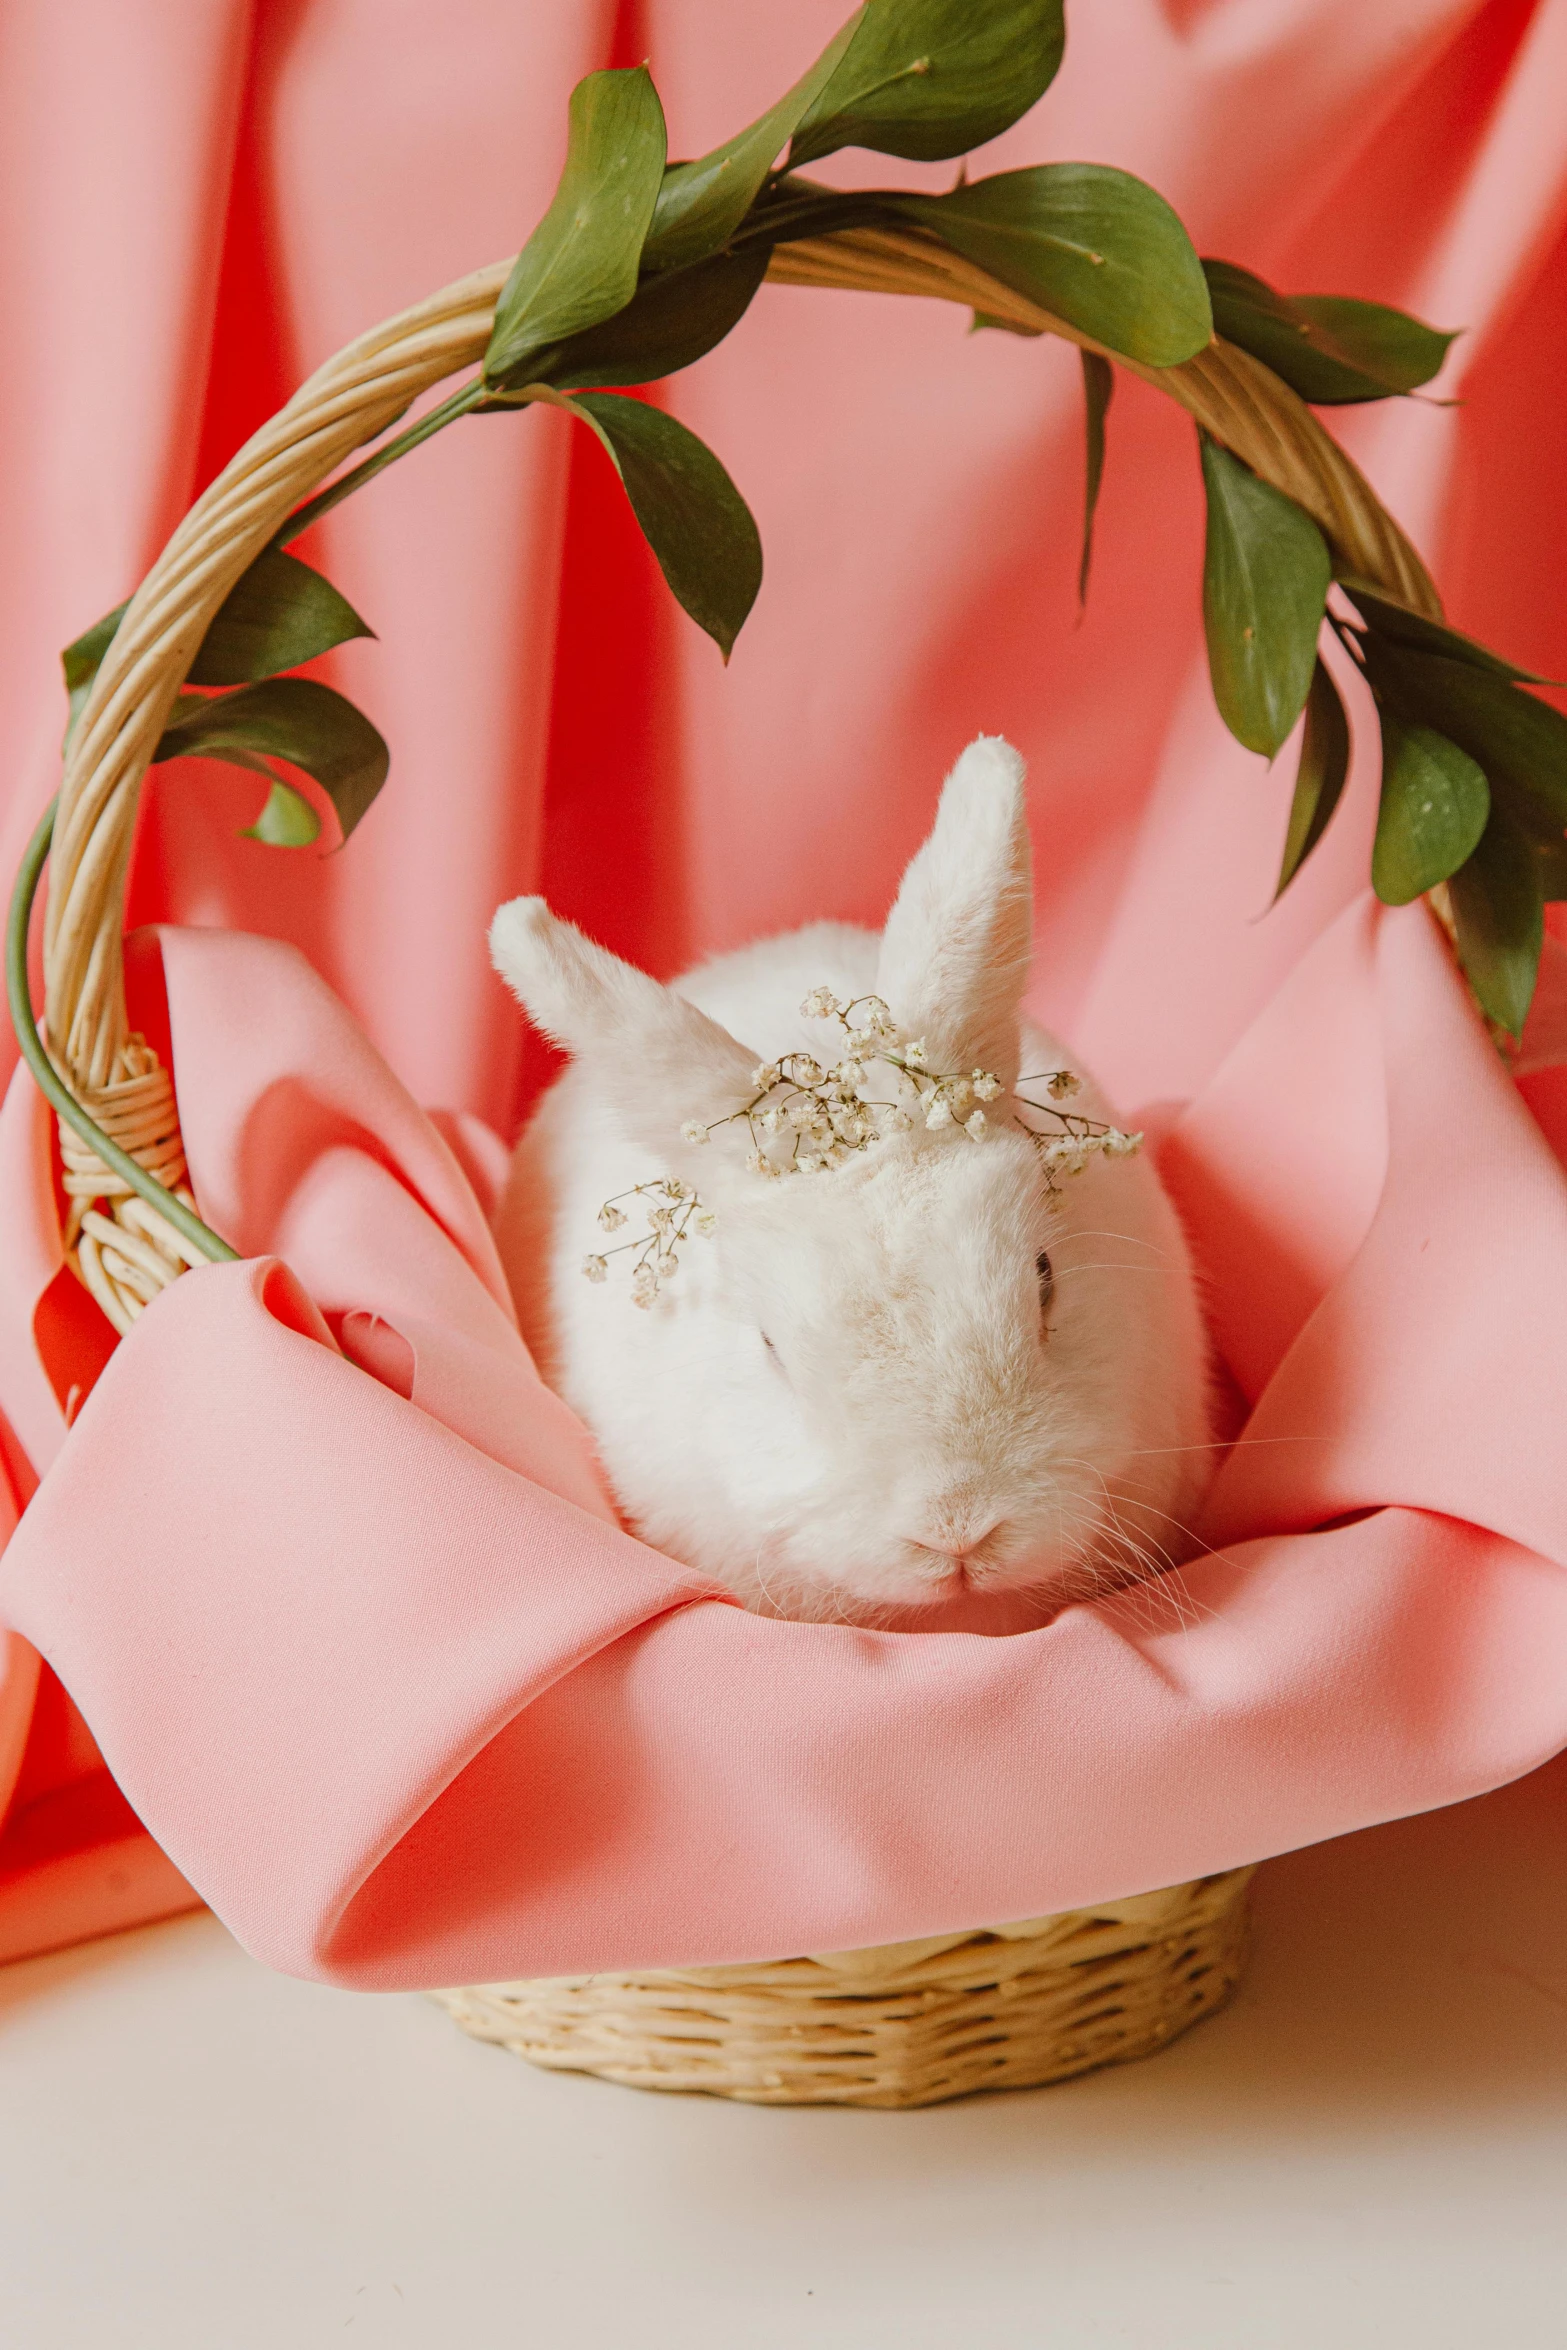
(804, 1118)
(675, 1213)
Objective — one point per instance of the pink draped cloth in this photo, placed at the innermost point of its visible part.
(327, 1573)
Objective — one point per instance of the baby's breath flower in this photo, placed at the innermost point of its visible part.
(661, 1218)
(771, 1120)
(914, 1052)
(986, 1084)
(974, 1126)
(803, 1070)
(765, 1076)
(846, 1076)
(705, 1221)
(1117, 1145)
(939, 1113)
(800, 1112)
(820, 1004)
(1062, 1084)
(757, 1164)
(674, 1189)
(878, 1017)
(862, 1045)
(610, 1219)
(596, 1268)
(665, 1265)
(694, 1132)
(808, 1163)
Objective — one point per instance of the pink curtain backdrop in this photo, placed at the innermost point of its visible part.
(201, 200)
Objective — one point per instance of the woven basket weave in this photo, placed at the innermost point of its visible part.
(903, 2026)
(908, 2024)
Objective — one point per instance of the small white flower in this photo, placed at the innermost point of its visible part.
(804, 1070)
(845, 1077)
(878, 1017)
(610, 1218)
(862, 1045)
(986, 1085)
(800, 1112)
(914, 1052)
(820, 1004)
(644, 1297)
(755, 1163)
(771, 1120)
(705, 1221)
(665, 1265)
(674, 1189)
(661, 1218)
(1062, 1085)
(693, 1132)
(1121, 1146)
(765, 1076)
(808, 1163)
(939, 1113)
(974, 1127)
(595, 1268)
(848, 1127)
(896, 1119)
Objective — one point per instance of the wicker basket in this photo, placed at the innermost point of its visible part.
(906, 2025)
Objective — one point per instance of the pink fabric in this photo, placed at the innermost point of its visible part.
(242, 188)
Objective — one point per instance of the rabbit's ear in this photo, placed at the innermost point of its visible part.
(659, 1059)
(955, 952)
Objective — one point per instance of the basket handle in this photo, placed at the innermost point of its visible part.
(119, 1121)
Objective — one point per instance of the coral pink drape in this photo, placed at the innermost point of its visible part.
(201, 199)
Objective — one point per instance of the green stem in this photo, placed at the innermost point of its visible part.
(50, 1084)
(461, 403)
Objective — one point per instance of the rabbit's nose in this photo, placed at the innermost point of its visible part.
(958, 1538)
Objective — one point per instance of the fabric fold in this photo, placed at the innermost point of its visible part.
(369, 1656)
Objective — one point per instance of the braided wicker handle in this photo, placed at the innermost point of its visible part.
(126, 1255)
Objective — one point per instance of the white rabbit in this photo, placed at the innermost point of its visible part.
(924, 1372)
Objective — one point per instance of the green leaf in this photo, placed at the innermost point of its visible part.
(692, 516)
(1387, 346)
(701, 204)
(1395, 620)
(278, 614)
(292, 718)
(1433, 810)
(1266, 570)
(580, 264)
(1499, 913)
(931, 78)
(83, 659)
(1520, 742)
(1319, 779)
(672, 320)
(1327, 347)
(1098, 386)
(1093, 246)
(286, 822)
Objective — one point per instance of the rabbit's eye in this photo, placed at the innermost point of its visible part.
(1047, 1278)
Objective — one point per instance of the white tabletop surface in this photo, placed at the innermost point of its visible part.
(1369, 2148)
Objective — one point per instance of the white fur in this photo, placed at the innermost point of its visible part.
(917, 1425)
